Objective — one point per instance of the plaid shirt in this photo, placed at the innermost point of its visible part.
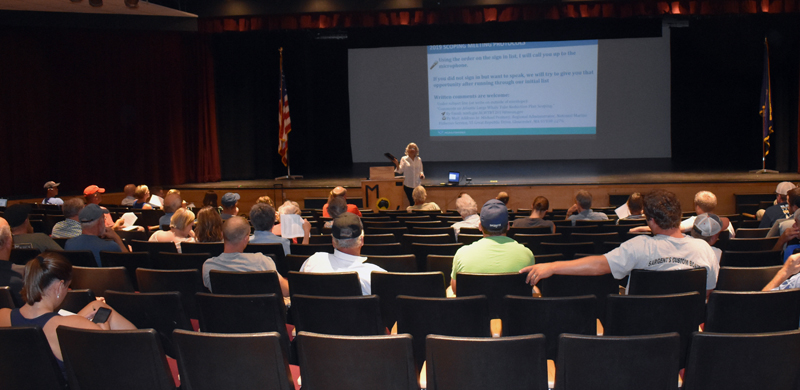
(67, 228)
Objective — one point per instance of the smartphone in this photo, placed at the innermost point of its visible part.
(101, 315)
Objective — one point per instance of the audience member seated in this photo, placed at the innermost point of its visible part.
(95, 236)
(468, 210)
(707, 228)
(157, 197)
(538, 211)
(52, 194)
(94, 195)
(781, 207)
(229, 202)
(339, 192)
(782, 224)
(210, 199)
(24, 237)
(336, 207)
(142, 194)
(348, 238)
(668, 250)
(419, 194)
(787, 240)
(503, 197)
(10, 274)
(172, 203)
(129, 200)
(180, 229)
(788, 277)
(635, 208)
(267, 200)
(47, 279)
(209, 225)
(291, 210)
(262, 217)
(583, 208)
(236, 235)
(495, 253)
(705, 202)
(70, 226)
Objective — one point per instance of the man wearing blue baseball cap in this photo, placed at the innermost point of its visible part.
(495, 253)
(229, 202)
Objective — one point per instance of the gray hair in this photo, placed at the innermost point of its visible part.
(262, 216)
(419, 194)
(235, 229)
(289, 207)
(172, 202)
(91, 224)
(348, 242)
(584, 199)
(466, 206)
(73, 207)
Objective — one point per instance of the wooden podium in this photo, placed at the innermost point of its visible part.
(382, 184)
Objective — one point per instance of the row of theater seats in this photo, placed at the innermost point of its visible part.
(244, 361)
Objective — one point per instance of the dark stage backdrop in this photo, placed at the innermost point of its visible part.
(105, 107)
(247, 85)
(716, 73)
(716, 84)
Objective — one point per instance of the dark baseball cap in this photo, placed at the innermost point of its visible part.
(230, 199)
(494, 215)
(91, 212)
(16, 214)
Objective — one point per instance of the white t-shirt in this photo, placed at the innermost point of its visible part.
(664, 253)
(322, 262)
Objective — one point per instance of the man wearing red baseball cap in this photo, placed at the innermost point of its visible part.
(94, 195)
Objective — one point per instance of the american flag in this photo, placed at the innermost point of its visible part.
(284, 121)
(766, 102)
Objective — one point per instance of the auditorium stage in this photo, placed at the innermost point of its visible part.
(526, 173)
(523, 180)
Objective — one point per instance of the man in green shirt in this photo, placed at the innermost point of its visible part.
(495, 253)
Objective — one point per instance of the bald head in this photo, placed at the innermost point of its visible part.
(339, 191)
(172, 202)
(235, 230)
(129, 189)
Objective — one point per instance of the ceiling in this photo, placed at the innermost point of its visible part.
(116, 7)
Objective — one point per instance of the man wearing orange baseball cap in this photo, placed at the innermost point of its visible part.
(94, 195)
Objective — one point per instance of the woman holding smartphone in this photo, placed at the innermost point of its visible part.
(47, 279)
(410, 166)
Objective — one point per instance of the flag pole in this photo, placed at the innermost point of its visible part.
(766, 112)
(284, 123)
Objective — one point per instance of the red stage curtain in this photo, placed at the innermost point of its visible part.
(105, 107)
(500, 13)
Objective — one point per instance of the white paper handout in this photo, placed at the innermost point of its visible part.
(291, 226)
(623, 211)
(130, 219)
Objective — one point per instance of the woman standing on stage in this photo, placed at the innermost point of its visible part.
(410, 166)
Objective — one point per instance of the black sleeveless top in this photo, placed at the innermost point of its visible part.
(18, 320)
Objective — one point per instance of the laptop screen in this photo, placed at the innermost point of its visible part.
(453, 177)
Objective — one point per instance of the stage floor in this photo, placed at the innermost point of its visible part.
(525, 173)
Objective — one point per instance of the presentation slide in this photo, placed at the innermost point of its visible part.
(512, 88)
(608, 100)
